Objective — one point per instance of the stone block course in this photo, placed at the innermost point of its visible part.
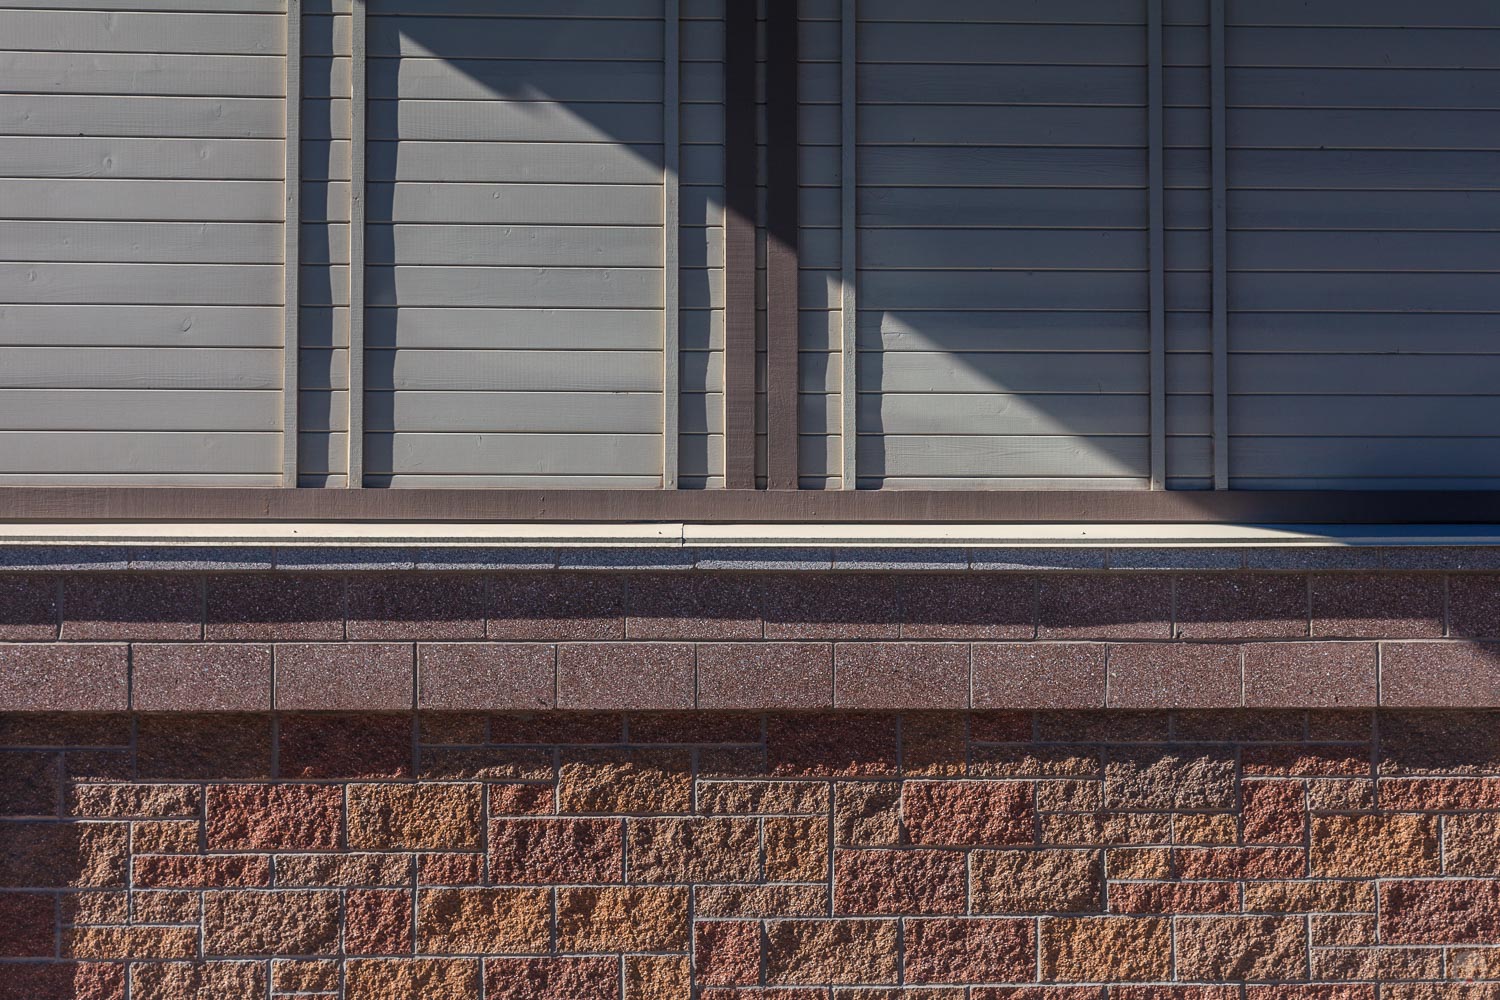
(364, 640)
(1174, 784)
(1135, 853)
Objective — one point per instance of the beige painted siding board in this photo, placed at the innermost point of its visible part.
(142, 74)
(126, 326)
(141, 158)
(141, 409)
(591, 454)
(143, 242)
(139, 368)
(145, 200)
(133, 31)
(91, 452)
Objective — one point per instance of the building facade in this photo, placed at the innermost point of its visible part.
(838, 500)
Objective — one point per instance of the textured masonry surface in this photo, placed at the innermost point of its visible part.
(558, 785)
(792, 856)
(398, 641)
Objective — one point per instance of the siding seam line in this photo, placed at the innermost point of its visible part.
(671, 236)
(1157, 292)
(292, 236)
(357, 133)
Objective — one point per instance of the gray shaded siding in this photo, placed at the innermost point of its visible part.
(141, 242)
(515, 244)
(529, 257)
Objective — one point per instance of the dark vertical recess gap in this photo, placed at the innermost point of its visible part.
(739, 244)
(1220, 168)
(782, 182)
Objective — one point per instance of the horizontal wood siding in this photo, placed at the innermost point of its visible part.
(1329, 324)
(1002, 212)
(142, 160)
(514, 246)
(1363, 315)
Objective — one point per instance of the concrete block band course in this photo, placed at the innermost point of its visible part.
(555, 785)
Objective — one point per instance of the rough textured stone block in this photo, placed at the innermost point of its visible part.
(421, 817)
(1106, 949)
(470, 921)
(281, 817)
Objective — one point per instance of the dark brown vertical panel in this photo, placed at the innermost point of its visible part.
(739, 244)
(782, 180)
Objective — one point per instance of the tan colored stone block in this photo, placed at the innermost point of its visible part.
(657, 977)
(197, 980)
(282, 922)
(385, 817)
(625, 782)
(1375, 845)
(1040, 881)
(693, 850)
(796, 848)
(1310, 897)
(622, 919)
(472, 921)
(1471, 844)
(1220, 949)
(800, 952)
(131, 942)
(1107, 949)
(412, 979)
(867, 813)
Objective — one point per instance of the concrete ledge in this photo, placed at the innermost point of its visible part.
(355, 640)
(854, 548)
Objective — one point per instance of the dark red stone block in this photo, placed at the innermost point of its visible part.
(967, 606)
(350, 677)
(275, 607)
(133, 607)
(832, 606)
(58, 678)
(201, 677)
(1105, 606)
(901, 675)
(1439, 674)
(1041, 675)
(1162, 675)
(1311, 675)
(500, 676)
(762, 676)
(634, 676)
(557, 607)
(693, 606)
(1242, 606)
(402, 607)
(1377, 606)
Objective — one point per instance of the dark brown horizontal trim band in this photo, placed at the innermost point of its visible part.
(54, 504)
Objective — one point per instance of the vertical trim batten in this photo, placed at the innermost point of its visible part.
(739, 245)
(782, 182)
(1156, 128)
(1219, 114)
(671, 387)
(291, 261)
(849, 241)
(357, 250)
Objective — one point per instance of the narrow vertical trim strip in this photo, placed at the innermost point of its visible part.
(849, 243)
(1158, 257)
(739, 244)
(782, 238)
(671, 222)
(291, 261)
(1220, 168)
(357, 251)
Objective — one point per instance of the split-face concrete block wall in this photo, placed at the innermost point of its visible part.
(569, 784)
